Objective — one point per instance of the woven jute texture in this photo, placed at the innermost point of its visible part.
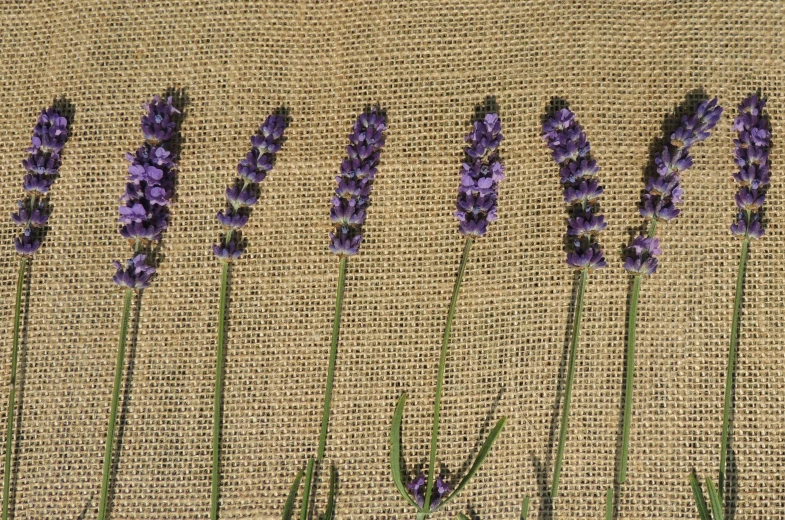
(623, 67)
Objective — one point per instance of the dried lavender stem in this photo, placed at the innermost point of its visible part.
(12, 393)
(437, 406)
(118, 377)
(576, 330)
(219, 384)
(734, 332)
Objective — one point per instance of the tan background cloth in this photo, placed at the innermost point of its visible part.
(623, 66)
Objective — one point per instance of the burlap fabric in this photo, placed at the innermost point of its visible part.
(622, 66)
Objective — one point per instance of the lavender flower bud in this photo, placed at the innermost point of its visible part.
(481, 173)
(49, 136)
(50, 133)
(751, 155)
(227, 251)
(570, 147)
(144, 204)
(27, 243)
(160, 123)
(439, 492)
(352, 195)
(641, 255)
(135, 274)
(252, 170)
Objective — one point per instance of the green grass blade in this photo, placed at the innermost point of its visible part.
(329, 513)
(486, 448)
(700, 501)
(609, 504)
(288, 509)
(525, 508)
(395, 451)
(714, 498)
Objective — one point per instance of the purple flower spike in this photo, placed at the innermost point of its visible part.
(565, 137)
(663, 192)
(663, 196)
(252, 170)
(481, 173)
(355, 180)
(751, 155)
(144, 205)
(439, 492)
(135, 274)
(42, 165)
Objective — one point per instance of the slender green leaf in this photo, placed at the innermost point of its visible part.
(288, 508)
(486, 448)
(462, 516)
(395, 451)
(716, 501)
(330, 511)
(700, 501)
(525, 508)
(609, 504)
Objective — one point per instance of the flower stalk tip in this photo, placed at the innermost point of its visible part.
(355, 180)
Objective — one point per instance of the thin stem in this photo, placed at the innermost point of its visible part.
(652, 227)
(628, 384)
(576, 331)
(219, 385)
(437, 405)
(734, 332)
(307, 490)
(625, 439)
(12, 390)
(118, 377)
(333, 354)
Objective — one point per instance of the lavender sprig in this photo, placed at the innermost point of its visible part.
(481, 173)
(240, 197)
(660, 202)
(348, 214)
(42, 165)
(571, 151)
(752, 147)
(144, 215)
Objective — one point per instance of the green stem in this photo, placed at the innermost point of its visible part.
(631, 324)
(12, 394)
(219, 385)
(652, 227)
(734, 332)
(333, 354)
(576, 330)
(625, 439)
(307, 490)
(437, 405)
(118, 377)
